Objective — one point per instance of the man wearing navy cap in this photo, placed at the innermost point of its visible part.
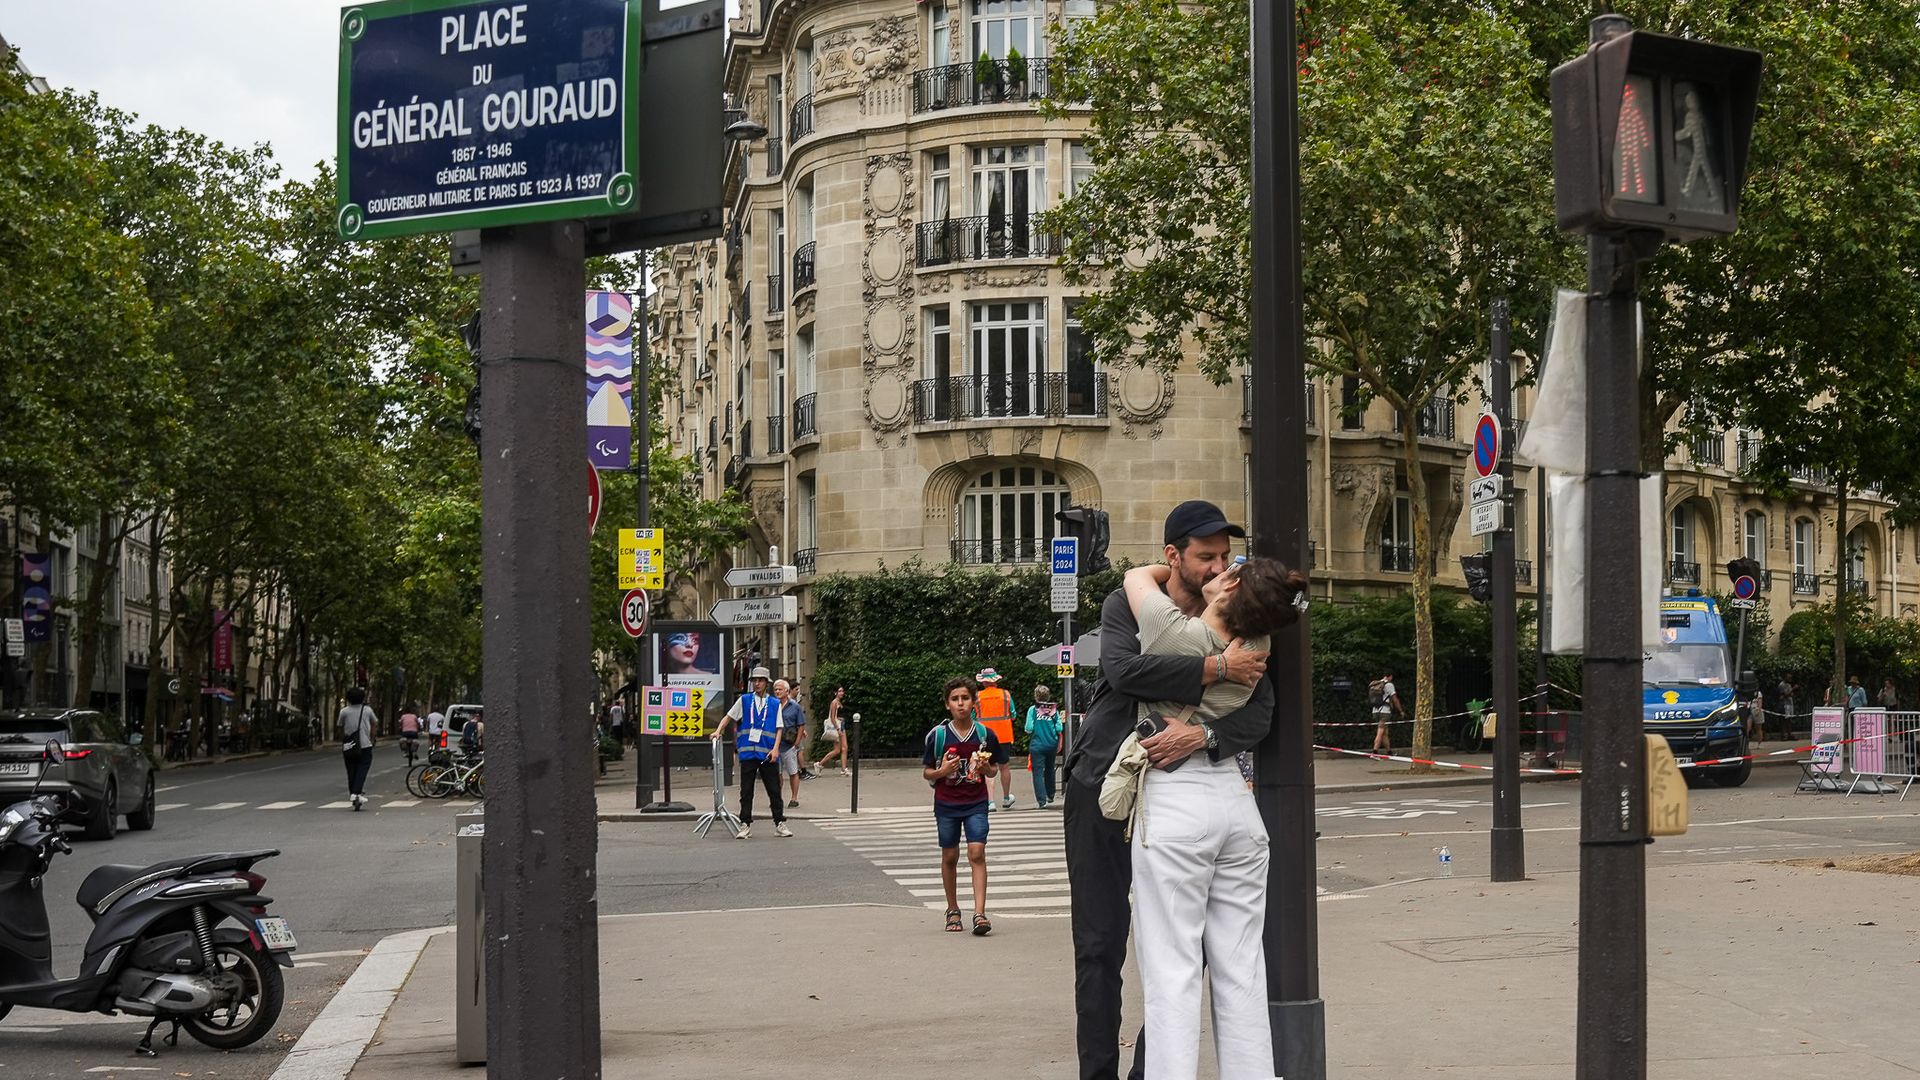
(1199, 547)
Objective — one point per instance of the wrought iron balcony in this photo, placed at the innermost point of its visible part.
(1858, 585)
(735, 238)
(736, 470)
(1710, 448)
(993, 82)
(1436, 420)
(803, 418)
(1806, 584)
(713, 431)
(776, 295)
(803, 267)
(1397, 558)
(1748, 451)
(1523, 571)
(805, 561)
(1683, 572)
(800, 118)
(746, 303)
(1005, 550)
(1313, 554)
(776, 155)
(776, 434)
(991, 397)
(745, 446)
(1246, 401)
(991, 236)
(1810, 474)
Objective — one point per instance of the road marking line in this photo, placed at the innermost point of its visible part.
(1056, 891)
(169, 806)
(282, 805)
(224, 806)
(405, 802)
(112, 1068)
(323, 806)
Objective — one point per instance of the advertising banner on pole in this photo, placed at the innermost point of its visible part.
(36, 595)
(610, 380)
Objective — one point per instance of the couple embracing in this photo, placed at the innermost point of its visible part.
(1183, 652)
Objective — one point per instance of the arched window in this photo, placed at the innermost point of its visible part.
(1754, 537)
(1857, 561)
(1803, 580)
(1006, 514)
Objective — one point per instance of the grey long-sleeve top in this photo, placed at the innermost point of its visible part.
(1128, 676)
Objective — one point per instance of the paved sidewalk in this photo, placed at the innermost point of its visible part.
(1755, 970)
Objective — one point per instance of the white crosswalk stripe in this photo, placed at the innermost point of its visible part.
(224, 806)
(280, 805)
(169, 806)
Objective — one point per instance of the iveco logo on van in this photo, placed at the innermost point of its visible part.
(1673, 714)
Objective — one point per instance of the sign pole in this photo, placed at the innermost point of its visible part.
(642, 475)
(543, 990)
(1509, 862)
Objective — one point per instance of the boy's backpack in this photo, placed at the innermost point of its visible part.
(1377, 692)
(940, 738)
(470, 737)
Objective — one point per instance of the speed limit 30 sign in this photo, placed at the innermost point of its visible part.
(633, 612)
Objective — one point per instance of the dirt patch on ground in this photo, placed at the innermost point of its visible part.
(1905, 864)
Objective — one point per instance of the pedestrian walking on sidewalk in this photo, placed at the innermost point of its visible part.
(1043, 743)
(994, 705)
(960, 759)
(1200, 851)
(756, 718)
(1198, 547)
(1386, 702)
(835, 729)
(356, 743)
(1889, 697)
(793, 731)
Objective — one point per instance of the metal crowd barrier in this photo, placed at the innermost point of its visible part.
(1886, 750)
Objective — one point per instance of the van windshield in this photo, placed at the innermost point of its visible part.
(1686, 665)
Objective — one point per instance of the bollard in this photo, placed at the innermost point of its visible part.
(853, 751)
(470, 920)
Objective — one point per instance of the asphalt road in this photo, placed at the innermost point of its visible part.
(346, 880)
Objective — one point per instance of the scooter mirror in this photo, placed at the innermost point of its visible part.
(55, 752)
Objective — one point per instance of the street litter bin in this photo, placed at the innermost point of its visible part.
(470, 920)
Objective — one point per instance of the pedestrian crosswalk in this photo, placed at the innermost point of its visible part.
(374, 802)
(1026, 858)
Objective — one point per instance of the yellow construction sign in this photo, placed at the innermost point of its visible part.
(642, 559)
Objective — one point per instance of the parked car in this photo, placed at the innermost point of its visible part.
(102, 777)
(458, 715)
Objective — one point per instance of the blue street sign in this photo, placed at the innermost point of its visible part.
(1066, 555)
(457, 114)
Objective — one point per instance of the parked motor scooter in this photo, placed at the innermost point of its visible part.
(186, 941)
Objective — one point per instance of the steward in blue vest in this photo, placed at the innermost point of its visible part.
(756, 721)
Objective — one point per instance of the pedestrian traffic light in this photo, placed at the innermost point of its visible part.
(1743, 567)
(1479, 576)
(1650, 132)
(1089, 526)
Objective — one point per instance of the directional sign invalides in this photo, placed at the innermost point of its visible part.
(757, 610)
(469, 115)
(749, 577)
(1485, 517)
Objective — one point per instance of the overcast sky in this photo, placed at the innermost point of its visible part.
(241, 71)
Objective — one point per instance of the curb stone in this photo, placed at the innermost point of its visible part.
(331, 1046)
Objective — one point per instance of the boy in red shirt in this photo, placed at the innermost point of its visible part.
(960, 758)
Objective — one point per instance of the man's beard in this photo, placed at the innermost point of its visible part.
(1194, 580)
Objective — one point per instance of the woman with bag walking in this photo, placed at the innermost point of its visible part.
(835, 730)
(356, 743)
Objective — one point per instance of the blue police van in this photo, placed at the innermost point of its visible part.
(1689, 689)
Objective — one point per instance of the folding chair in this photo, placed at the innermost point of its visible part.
(1822, 771)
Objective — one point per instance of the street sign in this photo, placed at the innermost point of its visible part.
(1485, 517)
(633, 612)
(1063, 664)
(16, 637)
(1065, 597)
(1744, 588)
(1486, 445)
(472, 115)
(1066, 555)
(754, 611)
(673, 710)
(1740, 605)
(643, 559)
(748, 577)
(593, 498)
(1484, 488)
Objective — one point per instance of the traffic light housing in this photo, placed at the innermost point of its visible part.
(1739, 568)
(1650, 132)
(1089, 526)
(1478, 571)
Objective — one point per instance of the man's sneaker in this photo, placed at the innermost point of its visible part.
(991, 805)
(782, 830)
(791, 803)
(745, 833)
(1008, 803)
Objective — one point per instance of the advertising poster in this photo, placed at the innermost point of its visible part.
(36, 595)
(691, 655)
(1869, 756)
(1829, 725)
(610, 380)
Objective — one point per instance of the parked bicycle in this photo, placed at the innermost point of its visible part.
(464, 777)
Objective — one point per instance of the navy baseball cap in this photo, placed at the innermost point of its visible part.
(1197, 517)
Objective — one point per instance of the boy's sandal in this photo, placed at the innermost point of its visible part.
(953, 921)
(981, 926)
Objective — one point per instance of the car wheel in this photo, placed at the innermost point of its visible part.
(141, 819)
(105, 822)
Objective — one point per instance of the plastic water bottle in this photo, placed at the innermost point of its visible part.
(1446, 862)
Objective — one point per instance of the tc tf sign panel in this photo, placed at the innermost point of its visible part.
(463, 115)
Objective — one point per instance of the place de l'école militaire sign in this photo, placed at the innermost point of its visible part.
(463, 115)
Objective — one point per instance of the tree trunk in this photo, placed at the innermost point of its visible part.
(1422, 596)
(93, 602)
(1843, 592)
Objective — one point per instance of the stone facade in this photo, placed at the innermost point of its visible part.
(889, 208)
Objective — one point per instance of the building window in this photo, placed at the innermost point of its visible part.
(1084, 384)
(1074, 14)
(1685, 569)
(803, 362)
(939, 34)
(1007, 515)
(1396, 536)
(1000, 25)
(1009, 180)
(1353, 415)
(1079, 168)
(804, 525)
(1754, 537)
(776, 402)
(1857, 560)
(1803, 579)
(1008, 358)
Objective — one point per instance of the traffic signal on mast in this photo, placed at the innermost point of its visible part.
(1650, 132)
(1089, 526)
(1479, 576)
(1743, 567)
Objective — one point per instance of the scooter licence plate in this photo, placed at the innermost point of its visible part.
(19, 768)
(276, 934)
